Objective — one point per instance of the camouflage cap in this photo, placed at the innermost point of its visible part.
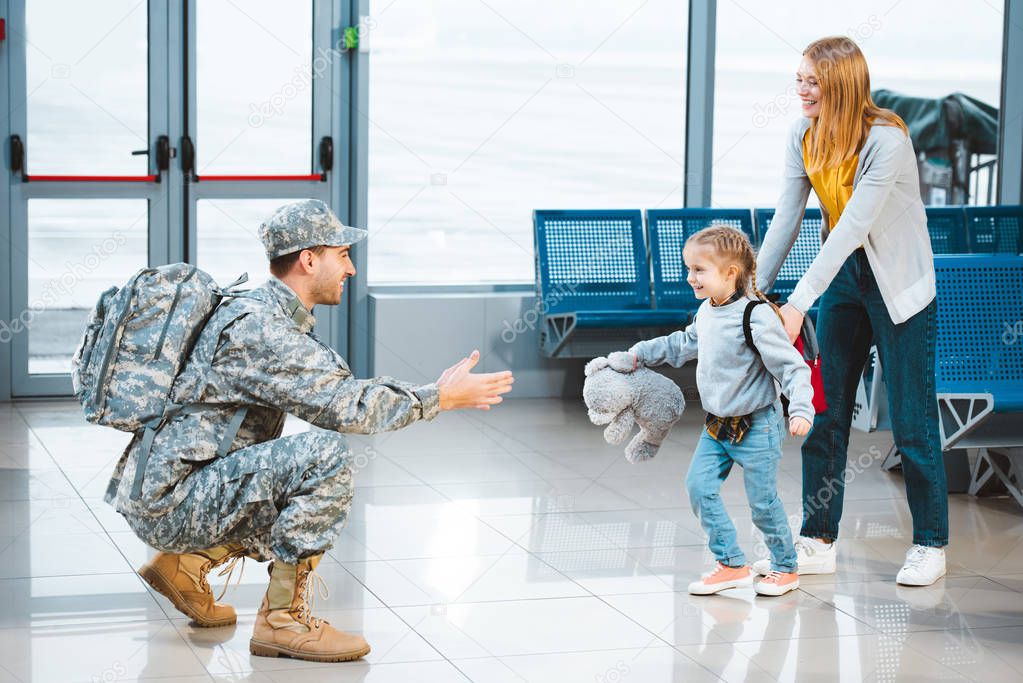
(304, 224)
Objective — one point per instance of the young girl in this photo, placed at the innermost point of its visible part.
(738, 390)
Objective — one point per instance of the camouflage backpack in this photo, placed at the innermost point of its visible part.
(136, 341)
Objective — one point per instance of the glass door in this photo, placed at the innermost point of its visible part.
(88, 155)
(259, 81)
(149, 132)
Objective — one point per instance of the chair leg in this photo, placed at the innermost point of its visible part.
(557, 329)
(959, 414)
(986, 466)
(893, 460)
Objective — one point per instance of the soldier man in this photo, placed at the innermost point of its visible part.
(218, 481)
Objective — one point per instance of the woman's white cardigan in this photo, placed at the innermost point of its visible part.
(884, 214)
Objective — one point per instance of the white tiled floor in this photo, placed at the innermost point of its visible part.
(506, 546)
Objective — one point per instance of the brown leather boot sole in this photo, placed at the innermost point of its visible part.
(261, 649)
(164, 587)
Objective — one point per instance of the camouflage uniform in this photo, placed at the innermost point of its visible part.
(255, 361)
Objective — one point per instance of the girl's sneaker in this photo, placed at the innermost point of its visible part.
(722, 578)
(777, 583)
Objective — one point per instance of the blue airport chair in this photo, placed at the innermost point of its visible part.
(668, 230)
(995, 229)
(947, 228)
(802, 254)
(592, 274)
(979, 368)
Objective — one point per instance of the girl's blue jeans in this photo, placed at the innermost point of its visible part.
(758, 454)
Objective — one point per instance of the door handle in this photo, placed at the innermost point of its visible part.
(326, 155)
(164, 153)
(187, 156)
(17, 154)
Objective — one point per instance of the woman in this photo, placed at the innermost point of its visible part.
(874, 276)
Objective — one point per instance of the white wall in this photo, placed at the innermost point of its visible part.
(416, 336)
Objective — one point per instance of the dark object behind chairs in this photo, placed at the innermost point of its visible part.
(946, 133)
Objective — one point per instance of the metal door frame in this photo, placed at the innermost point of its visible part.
(21, 192)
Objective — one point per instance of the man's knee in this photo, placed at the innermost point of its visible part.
(330, 459)
(335, 456)
(323, 451)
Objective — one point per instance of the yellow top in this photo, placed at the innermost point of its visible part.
(834, 186)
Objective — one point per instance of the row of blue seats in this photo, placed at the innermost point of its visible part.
(979, 365)
(599, 272)
(976, 229)
(979, 339)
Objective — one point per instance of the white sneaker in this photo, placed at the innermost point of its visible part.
(812, 557)
(924, 565)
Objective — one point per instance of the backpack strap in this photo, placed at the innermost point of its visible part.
(297, 312)
(229, 289)
(145, 448)
(232, 430)
(747, 329)
(811, 350)
(170, 313)
(151, 427)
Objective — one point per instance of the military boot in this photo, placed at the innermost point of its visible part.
(285, 626)
(181, 578)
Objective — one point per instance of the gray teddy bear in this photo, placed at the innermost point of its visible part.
(621, 396)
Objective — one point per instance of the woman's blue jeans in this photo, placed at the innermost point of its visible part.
(852, 314)
(758, 454)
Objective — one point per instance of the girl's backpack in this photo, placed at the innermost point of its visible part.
(806, 344)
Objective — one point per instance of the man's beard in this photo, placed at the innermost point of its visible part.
(328, 292)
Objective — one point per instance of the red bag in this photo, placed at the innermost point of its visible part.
(816, 378)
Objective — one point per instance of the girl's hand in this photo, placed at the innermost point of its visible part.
(793, 321)
(798, 426)
(623, 361)
(619, 361)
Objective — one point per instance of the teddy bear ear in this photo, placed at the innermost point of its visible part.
(595, 365)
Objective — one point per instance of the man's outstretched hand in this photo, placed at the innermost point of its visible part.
(460, 388)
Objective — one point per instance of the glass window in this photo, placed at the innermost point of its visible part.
(87, 87)
(481, 112)
(254, 87)
(921, 48)
(77, 248)
(228, 238)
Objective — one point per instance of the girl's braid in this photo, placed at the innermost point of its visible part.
(733, 246)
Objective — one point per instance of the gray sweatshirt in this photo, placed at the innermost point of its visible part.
(732, 380)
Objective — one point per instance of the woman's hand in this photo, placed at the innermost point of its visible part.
(798, 426)
(459, 388)
(793, 320)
